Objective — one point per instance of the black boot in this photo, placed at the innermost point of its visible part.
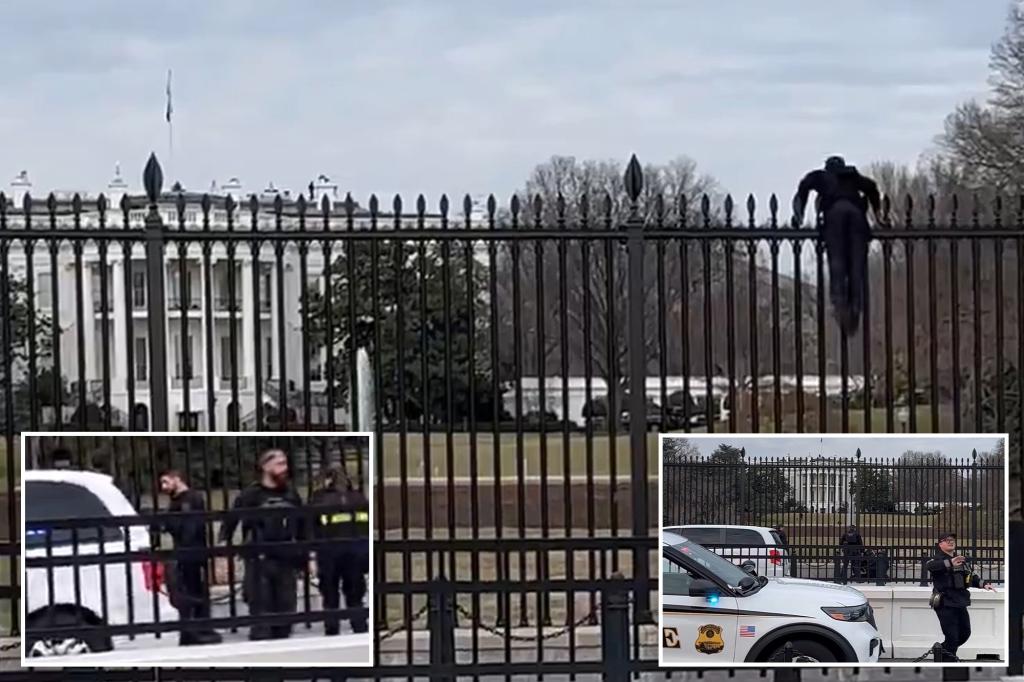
(260, 632)
(209, 637)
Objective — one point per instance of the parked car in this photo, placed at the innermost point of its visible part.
(742, 544)
(132, 593)
(714, 611)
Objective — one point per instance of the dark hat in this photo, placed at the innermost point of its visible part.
(835, 163)
(943, 536)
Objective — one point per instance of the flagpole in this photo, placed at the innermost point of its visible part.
(170, 129)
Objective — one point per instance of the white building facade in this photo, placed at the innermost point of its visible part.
(204, 361)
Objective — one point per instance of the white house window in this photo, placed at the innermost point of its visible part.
(141, 360)
(139, 289)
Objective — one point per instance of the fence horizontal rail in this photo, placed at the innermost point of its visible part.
(868, 563)
(235, 550)
(546, 233)
(510, 587)
(514, 544)
(263, 619)
(158, 518)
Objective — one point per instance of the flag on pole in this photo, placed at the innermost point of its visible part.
(169, 109)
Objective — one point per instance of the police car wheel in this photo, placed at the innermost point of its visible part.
(804, 651)
(67, 646)
(45, 648)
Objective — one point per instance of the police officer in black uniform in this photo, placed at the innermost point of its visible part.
(852, 545)
(843, 196)
(189, 590)
(348, 561)
(952, 575)
(270, 572)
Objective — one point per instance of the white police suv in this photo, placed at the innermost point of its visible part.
(713, 611)
(92, 594)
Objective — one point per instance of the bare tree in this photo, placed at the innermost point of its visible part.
(929, 477)
(583, 287)
(986, 141)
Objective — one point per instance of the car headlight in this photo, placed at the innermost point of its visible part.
(848, 614)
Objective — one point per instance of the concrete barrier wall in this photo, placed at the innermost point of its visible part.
(908, 626)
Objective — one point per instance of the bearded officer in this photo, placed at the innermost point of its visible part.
(271, 582)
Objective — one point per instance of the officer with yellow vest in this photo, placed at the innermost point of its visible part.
(345, 562)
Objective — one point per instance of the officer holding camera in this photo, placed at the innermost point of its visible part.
(952, 575)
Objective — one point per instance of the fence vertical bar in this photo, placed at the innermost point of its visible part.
(637, 386)
(974, 504)
(153, 181)
(1015, 575)
(615, 629)
(441, 623)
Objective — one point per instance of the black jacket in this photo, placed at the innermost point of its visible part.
(846, 184)
(339, 524)
(851, 541)
(277, 528)
(187, 532)
(952, 581)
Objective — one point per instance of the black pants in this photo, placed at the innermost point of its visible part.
(192, 599)
(846, 234)
(956, 627)
(849, 567)
(348, 571)
(270, 587)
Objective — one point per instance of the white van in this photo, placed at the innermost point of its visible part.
(132, 593)
(713, 612)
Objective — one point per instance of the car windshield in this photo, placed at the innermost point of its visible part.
(726, 571)
(49, 501)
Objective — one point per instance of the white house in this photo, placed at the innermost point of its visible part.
(205, 358)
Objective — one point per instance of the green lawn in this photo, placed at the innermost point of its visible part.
(509, 448)
(856, 420)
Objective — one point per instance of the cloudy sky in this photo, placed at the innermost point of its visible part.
(833, 446)
(468, 97)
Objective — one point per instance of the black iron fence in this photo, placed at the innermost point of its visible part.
(510, 360)
(866, 564)
(897, 505)
(93, 580)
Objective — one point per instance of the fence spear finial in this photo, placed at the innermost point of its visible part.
(153, 179)
(634, 181)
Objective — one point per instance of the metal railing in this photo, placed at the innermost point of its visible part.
(478, 323)
(62, 551)
(892, 501)
(869, 564)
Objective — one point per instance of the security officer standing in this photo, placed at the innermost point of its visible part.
(271, 583)
(951, 577)
(347, 561)
(189, 593)
(852, 545)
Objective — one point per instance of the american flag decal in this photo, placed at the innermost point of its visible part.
(747, 631)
